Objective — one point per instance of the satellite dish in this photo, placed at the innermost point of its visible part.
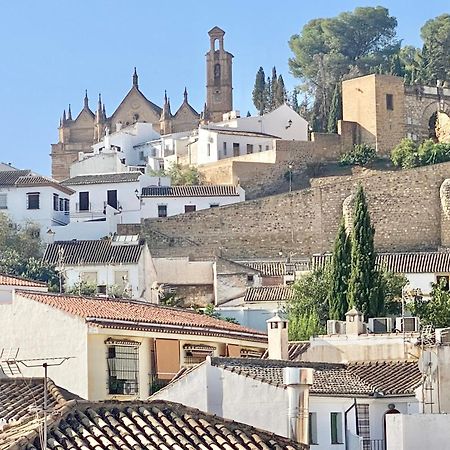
(428, 363)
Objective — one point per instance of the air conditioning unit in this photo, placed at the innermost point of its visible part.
(335, 327)
(407, 324)
(378, 325)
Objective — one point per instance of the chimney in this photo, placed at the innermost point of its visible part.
(277, 333)
(354, 323)
(298, 381)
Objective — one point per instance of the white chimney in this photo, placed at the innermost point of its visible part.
(298, 381)
(277, 333)
(354, 323)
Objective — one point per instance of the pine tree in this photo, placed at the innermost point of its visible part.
(335, 110)
(259, 91)
(364, 288)
(339, 275)
(280, 94)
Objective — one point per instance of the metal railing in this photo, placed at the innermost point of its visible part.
(372, 444)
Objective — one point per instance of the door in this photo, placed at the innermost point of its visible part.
(112, 199)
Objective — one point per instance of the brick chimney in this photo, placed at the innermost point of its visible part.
(277, 332)
(298, 380)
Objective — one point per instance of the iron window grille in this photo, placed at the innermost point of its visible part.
(33, 200)
(123, 369)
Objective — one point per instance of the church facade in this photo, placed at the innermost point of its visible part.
(88, 127)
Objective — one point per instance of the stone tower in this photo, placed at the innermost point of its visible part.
(219, 85)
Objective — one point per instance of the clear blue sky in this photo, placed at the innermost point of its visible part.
(52, 50)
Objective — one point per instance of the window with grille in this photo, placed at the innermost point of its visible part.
(33, 200)
(194, 354)
(189, 208)
(123, 369)
(3, 201)
(162, 210)
(55, 202)
(249, 148)
(362, 411)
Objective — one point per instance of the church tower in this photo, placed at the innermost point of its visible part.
(219, 85)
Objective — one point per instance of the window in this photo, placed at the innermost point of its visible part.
(66, 205)
(208, 149)
(3, 201)
(123, 369)
(250, 277)
(225, 149)
(313, 428)
(111, 198)
(33, 200)
(83, 204)
(362, 411)
(89, 277)
(162, 210)
(189, 208)
(336, 427)
(260, 148)
(249, 148)
(443, 281)
(267, 147)
(213, 205)
(236, 150)
(55, 202)
(121, 278)
(390, 102)
(61, 204)
(197, 353)
(141, 155)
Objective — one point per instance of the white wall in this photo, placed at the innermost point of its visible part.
(175, 205)
(421, 281)
(183, 271)
(275, 123)
(39, 331)
(45, 217)
(93, 164)
(418, 431)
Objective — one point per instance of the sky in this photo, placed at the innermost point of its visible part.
(52, 50)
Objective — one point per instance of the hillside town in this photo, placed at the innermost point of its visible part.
(210, 279)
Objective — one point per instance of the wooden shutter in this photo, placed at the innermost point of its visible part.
(167, 358)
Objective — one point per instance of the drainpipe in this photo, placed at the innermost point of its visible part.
(298, 381)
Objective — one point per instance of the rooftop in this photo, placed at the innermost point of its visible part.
(100, 251)
(140, 315)
(121, 177)
(14, 280)
(191, 191)
(151, 425)
(269, 294)
(277, 268)
(26, 178)
(397, 378)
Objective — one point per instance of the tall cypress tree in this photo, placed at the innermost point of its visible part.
(335, 110)
(268, 96)
(259, 91)
(364, 290)
(294, 102)
(273, 88)
(280, 94)
(339, 275)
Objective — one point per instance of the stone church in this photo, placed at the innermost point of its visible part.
(88, 127)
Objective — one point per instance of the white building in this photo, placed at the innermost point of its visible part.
(119, 263)
(10, 282)
(161, 201)
(282, 121)
(30, 198)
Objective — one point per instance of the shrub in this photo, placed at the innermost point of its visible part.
(408, 154)
(432, 153)
(360, 155)
(405, 154)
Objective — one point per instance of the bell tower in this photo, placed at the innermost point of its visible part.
(219, 85)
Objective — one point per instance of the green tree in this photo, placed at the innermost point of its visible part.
(280, 93)
(335, 110)
(326, 50)
(359, 155)
(259, 91)
(365, 287)
(294, 101)
(180, 175)
(308, 311)
(269, 96)
(436, 49)
(393, 284)
(273, 88)
(339, 275)
(405, 155)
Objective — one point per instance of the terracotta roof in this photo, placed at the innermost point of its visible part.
(9, 177)
(141, 315)
(406, 262)
(21, 397)
(269, 294)
(121, 177)
(276, 268)
(100, 251)
(13, 280)
(191, 191)
(364, 378)
(295, 349)
(151, 425)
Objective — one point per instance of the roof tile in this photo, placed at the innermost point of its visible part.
(13, 280)
(121, 177)
(191, 191)
(269, 294)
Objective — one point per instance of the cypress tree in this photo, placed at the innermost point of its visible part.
(259, 91)
(294, 102)
(364, 290)
(280, 94)
(335, 110)
(339, 275)
(268, 96)
(273, 88)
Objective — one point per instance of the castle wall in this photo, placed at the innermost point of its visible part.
(404, 206)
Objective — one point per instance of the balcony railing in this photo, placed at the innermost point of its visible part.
(372, 444)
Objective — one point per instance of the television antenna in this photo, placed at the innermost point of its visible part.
(10, 361)
(428, 364)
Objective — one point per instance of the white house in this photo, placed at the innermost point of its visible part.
(165, 201)
(30, 198)
(119, 349)
(10, 282)
(119, 262)
(282, 121)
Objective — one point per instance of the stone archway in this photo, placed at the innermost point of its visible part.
(442, 127)
(429, 118)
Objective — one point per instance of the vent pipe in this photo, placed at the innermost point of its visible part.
(298, 381)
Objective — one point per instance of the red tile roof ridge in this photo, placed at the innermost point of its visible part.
(132, 311)
(29, 281)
